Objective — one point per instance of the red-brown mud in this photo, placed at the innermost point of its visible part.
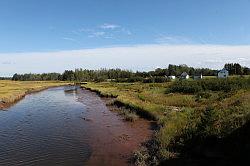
(113, 139)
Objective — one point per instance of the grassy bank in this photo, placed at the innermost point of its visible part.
(198, 124)
(12, 91)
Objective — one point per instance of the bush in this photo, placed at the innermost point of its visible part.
(205, 95)
(155, 80)
(132, 79)
(135, 79)
(185, 87)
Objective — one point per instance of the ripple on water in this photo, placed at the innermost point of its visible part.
(72, 127)
(43, 129)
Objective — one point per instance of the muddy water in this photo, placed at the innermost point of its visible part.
(67, 126)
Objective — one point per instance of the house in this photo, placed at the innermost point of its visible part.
(198, 76)
(171, 77)
(184, 75)
(223, 73)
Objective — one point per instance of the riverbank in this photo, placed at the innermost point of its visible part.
(146, 125)
(194, 127)
(13, 91)
(112, 130)
(131, 113)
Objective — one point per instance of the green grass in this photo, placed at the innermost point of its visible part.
(184, 118)
(10, 91)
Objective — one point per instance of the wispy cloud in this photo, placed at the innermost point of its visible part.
(87, 30)
(105, 31)
(109, 26)
(170, 39)
(126, 31)
(97, 34)
(69, 39)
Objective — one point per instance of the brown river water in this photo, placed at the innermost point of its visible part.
(67, 126)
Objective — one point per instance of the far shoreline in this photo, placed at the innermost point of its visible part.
(11, 100)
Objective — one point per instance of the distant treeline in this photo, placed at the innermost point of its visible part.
(37, 77)
(5, 78)
(119, 75)
(237, 69)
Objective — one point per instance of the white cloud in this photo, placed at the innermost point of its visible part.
(109, 26)
(69, 39)
(169, 39)
(85, 30)
(126, 31)
(97, 34)
(140, 57)
(105, 31)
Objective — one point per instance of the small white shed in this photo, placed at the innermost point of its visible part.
(171, 77)
(223, 73)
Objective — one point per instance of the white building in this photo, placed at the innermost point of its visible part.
(171, 77)
(223, 73)
(184, 75)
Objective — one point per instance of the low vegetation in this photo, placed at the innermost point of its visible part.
(225, 85)
(198, 119)
(11, 91)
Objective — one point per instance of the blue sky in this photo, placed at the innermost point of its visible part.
(31, 25)
(62, 25)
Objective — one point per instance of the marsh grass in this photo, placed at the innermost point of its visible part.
(127, 114)
(187, 119)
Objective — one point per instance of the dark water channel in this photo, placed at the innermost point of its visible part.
(67, 126)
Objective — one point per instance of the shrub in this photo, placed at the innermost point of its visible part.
(185, 87)
(205, 95)
(155, 80)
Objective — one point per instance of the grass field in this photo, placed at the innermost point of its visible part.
(10, 91)
(187, 121)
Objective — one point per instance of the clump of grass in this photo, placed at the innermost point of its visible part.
(141, 97)
(141, 157)
(130, 116)
(144, 157)
(147, 154)
(127, 114)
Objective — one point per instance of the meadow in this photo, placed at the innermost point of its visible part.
(11, 91)
(196, 119)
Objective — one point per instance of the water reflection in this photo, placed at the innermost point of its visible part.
(67, 126)
(44, 129)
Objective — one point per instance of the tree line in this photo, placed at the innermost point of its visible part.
(77, 75)
(37, 77)
(5, 78)
(237, 69)
(119, 75)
